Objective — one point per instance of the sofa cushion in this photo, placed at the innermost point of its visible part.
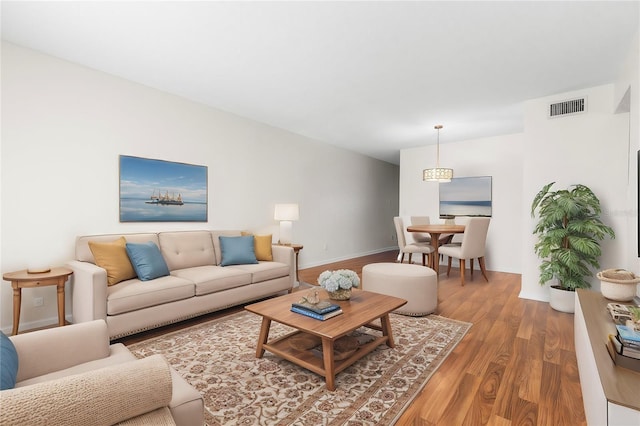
(264, 271)
(262, 246)
(147, 260)
(210, 279)
(83, 252)
(216, 241)
(237, 250)
(185, 249)
(112, 257)
(134, 294)
(8, 363)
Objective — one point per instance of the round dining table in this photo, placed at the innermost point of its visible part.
(435, 231)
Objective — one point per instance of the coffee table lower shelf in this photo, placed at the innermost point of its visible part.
(327, 366)
(364, 309)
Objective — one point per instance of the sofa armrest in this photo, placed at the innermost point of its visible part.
(89, 291)
(45, 351)
(284, 254)
(101, 397)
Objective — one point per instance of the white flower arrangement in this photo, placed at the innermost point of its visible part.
(342, 278)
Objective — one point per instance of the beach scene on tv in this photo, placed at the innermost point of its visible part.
(466, 196)
(162, 191)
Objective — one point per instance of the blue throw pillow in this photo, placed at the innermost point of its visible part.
(237, 250)
(8, 363)
(147, 260)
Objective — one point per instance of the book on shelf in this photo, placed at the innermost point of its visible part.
(322, 307)
(315, 315)
(622, 349)
(629, 344)
(619, 359)
(628, 335)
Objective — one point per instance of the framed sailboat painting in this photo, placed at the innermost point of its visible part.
(162, 191)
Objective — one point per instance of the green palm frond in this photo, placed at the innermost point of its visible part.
(569, 232)
(584, 246)
(539, 197)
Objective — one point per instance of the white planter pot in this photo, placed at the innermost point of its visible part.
(562, 300)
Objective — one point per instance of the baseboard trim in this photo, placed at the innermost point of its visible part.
(346, 257)
(533, 296)
(34, 325)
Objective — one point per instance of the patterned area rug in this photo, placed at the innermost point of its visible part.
(218, 358)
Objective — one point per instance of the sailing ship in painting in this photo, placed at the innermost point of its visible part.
(166, 199)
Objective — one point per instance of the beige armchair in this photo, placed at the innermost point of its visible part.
(472, 247)
(72, 375)
(423, 248)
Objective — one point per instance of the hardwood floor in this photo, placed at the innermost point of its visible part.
(516, 366)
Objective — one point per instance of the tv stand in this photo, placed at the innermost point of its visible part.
(610, 393)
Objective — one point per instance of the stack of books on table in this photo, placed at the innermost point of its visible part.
(322, 310)
(624, 347)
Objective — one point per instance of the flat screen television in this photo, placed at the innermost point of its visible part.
(465, 196)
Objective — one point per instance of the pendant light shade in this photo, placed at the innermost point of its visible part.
(439, 174)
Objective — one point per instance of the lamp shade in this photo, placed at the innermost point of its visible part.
(437, 175)
(286, 212)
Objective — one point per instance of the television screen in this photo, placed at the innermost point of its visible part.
(465, 196)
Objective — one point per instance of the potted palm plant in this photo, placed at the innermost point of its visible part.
(569, 232)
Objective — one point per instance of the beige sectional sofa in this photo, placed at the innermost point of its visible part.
(72, 376)
(197, 282)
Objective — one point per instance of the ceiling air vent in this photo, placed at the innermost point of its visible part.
(570, 107)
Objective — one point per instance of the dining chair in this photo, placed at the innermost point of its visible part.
(424, 237)
(424, 248)
(420, 237)
(472, 247)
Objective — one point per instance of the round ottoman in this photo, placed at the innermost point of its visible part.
(418, 285)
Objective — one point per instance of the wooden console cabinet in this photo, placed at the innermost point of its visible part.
(611, 394)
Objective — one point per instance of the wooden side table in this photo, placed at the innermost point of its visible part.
(23, 279)
(296, 249)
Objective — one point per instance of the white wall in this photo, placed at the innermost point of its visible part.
(627, 98)
(499, 157)
(589, 148)
(64, 126)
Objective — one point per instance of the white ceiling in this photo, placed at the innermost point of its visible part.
(373, 77)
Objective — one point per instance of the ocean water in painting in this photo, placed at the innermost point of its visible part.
(138, 210)
(465, 208)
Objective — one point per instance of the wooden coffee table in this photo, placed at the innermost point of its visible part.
(363, 308)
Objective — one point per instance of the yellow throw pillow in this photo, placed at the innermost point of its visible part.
(113, 257)
(261, 246)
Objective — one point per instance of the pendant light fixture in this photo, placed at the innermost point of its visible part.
(438, 174)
